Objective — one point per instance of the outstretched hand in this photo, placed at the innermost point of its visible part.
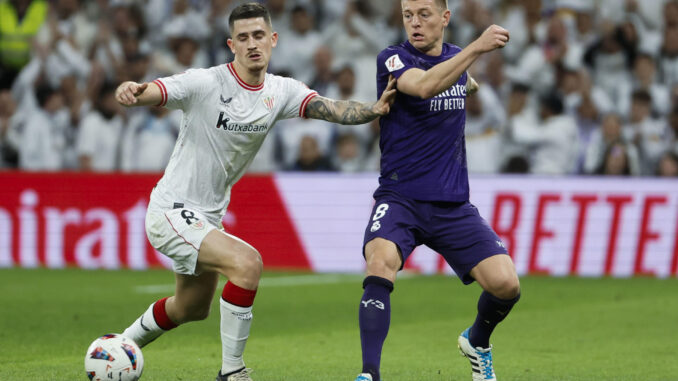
(383, 105)
(127, 93)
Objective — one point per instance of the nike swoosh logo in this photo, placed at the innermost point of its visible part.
(142, 324)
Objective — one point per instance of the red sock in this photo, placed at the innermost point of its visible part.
(160, 315)
(237, 295)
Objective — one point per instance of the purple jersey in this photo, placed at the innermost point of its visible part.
(423, 151)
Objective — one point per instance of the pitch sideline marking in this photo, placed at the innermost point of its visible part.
(283, 281)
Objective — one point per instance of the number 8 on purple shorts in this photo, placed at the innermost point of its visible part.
(455, 230)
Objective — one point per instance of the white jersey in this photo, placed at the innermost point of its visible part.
(224, 123)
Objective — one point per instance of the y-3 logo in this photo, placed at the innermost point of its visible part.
(376, 303)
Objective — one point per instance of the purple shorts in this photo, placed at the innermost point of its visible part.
(455, 230)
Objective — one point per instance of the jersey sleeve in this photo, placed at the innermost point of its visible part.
(395, 62)
(297, 95)
(179, 90)
(392, 61)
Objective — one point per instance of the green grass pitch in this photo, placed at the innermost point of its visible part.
(305, 328)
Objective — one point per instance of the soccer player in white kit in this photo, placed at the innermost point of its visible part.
(227, 112)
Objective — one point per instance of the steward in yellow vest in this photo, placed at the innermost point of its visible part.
(20, 20)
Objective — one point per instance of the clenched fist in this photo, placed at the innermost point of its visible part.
(494, 37)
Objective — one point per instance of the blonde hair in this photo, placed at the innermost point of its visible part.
(442, 4)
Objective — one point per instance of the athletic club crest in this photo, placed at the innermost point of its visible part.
(269, 102)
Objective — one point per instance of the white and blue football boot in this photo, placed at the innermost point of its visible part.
(364, 377)
(480, 358)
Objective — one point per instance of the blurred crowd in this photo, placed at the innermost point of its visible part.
(583, 87)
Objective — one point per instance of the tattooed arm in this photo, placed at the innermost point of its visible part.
(343, 112)
(351, 112)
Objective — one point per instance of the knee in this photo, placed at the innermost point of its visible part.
(382, 262)
(505, 288)
(247, 268)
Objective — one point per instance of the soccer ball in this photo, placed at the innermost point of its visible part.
(114, 357)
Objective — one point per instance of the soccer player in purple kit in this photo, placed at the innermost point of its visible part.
(423, 194)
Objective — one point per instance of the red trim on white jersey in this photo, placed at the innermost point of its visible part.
(176, 231)
(241, 82)
(163, 92)
(302, 108)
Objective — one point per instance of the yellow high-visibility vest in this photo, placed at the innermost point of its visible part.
(15, 35)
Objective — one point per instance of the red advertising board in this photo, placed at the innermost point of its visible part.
(97, 221)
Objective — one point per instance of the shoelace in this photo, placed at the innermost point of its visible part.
(485, 364)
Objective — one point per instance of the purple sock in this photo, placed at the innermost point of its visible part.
(491, 311)
(374, 317)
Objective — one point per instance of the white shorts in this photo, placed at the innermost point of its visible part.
(178, 233)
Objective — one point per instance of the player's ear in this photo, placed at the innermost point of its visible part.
(229, 42)
(446, 17)
(274, 39)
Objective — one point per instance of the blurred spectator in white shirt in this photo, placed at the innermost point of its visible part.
(185, 33)
(609, 133)
(348, 154)
(346, 84)
(148, 140)
(280, 15)
(186, 21)
(539, 61)
(647, 133)
(64, 41)
(184, 53)
(645, 78)
(289, 136)
(588, 121)
(585, 24)
(310, 158)
(217, 17)
(610, 58)
(524, 19)
(577, 85)
(485, 117)
(294, 53)
(323, 75)
(358, 37)
(42, 139)
(520, 110)
(469, 19)
(668, 59)
(99, 134)
(489, 69)
(554, 142)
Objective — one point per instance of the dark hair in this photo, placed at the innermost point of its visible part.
(606, 156)
(553, 102)
(641, 96)
(519, 87)
(249, 11)
(106, 88)
(43, 92)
